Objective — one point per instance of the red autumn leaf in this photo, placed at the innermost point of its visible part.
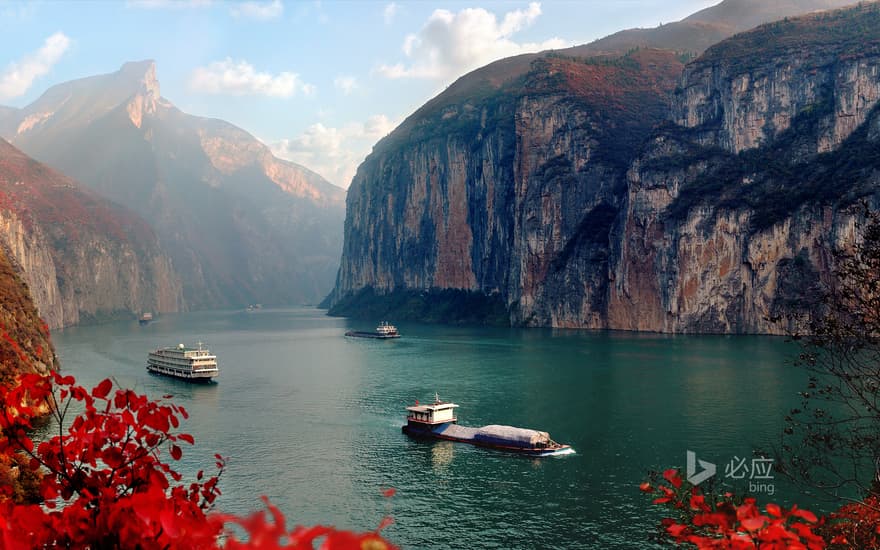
(139, 503)
(176, 453)
(101, 390)
(805, 515)
(671, 475)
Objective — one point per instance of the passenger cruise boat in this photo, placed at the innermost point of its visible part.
(383, 331)
(192, 364)
(438, 421)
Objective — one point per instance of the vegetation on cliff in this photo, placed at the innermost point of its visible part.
(26, 347)
(855, 30)
(784, 172)
(62, 231)
(442, 305)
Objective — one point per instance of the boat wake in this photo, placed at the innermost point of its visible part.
(560, 452)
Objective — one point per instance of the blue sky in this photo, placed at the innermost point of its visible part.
(318, 81)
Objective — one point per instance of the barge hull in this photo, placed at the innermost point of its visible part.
(359, 334)
(463, 434)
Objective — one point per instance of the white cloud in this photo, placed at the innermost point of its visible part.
(18, 77)
(258, 10)
(167, 4)
(347, 84)
(335, 153)
(240, 78)
(379, 126)
(451, 44)
(389, 12)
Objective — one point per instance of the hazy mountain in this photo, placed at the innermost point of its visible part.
(83, 257)
(240, 225)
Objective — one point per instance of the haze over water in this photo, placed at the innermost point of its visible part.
(312, 419)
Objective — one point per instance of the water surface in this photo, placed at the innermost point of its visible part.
(312, 419)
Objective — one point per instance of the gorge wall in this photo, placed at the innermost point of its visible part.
(82, 257)
(735, 209)
(25, 347)
(580, 195)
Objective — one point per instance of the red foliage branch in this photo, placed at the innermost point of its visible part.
(106, 482)
(723, 522)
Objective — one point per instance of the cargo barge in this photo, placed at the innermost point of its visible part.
(382, 332)
(438, 421)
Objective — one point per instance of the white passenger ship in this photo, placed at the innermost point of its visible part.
(192, 364)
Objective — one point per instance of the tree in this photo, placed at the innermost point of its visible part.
(104, 480)
(831, 442)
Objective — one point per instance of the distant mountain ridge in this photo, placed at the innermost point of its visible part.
(240, 225)
(690, 36)
(696, 224)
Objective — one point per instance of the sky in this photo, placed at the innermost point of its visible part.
(317, 81)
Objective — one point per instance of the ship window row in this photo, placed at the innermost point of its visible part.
(172, 364)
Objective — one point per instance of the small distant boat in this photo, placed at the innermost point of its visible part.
(438, 421)
(146, 318)
(254, 307)
(191, 364)
(383, 331)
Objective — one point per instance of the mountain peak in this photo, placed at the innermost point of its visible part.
(143, 72)
(142, 76)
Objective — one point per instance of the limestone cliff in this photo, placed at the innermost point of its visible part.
(83, 257)
(25, 346)
(594, 199)
(510, 193)
(734, 210)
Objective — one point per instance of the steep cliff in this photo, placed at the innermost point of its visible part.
(83, 257)
(500, 194)
(240, 225)
(25, 346)
(556, 193)
(735, 208)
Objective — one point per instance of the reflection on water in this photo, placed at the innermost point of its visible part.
(442, 453)
(312, 419)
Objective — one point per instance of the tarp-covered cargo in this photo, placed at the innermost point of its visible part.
(511, 436)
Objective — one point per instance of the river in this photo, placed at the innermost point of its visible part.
(312, 420)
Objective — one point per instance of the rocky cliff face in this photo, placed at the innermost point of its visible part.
(509, 193)
(734, 211)
(575, 215)
(240, 225)
(83, 257)
(25, 346)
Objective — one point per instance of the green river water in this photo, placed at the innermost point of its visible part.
(312, 420)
